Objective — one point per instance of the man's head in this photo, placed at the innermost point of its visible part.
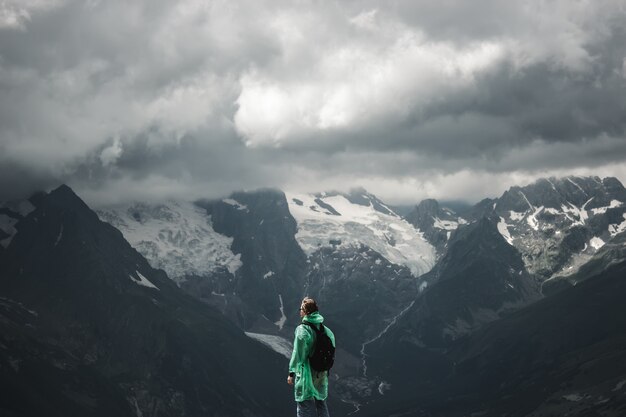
(308, 306)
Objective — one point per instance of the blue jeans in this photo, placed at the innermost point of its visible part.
(312, 408)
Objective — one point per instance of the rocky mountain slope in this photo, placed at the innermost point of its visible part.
(435, 222)
(89, 328)
(395, 287)
(262, 251)
(557, 224)
(564, 355)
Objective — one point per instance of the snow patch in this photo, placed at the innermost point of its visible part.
(615, 229)
(577, 186)
(59, 236)
(527, 202)
(596, 242)
(602, 210)
(619, 386)
(552, 184)
(445, 224)
(276, 343)
(269, 274)
(532, 218)
(573, 397)
(504, 231)
(142, 281)
(235, 204)
(515, 216)
(577, 212)
(281, 322)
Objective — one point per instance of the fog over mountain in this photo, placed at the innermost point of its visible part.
(409, 99)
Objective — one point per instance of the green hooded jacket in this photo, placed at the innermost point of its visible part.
(309, 384)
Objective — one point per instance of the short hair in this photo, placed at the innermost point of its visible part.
(309, 305)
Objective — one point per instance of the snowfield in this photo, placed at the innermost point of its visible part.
(276, 343)
(177, 237)
(326, 221)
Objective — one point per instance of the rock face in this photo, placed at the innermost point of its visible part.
(359, 290)
(435, 222)
(479, 279)
(255, 254)
(88, 327)
(558, 224)
(614, 251)
(238, 254)
(564, 355)
(270, 280)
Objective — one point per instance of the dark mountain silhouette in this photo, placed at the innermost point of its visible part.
(89, 328)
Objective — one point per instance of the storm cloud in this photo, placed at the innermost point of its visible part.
(410, 99)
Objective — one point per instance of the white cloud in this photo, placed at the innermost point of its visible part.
(353, 84)
(15, 14)
(110, 155)
(365, 20)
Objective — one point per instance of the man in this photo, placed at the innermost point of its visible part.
(310, 386)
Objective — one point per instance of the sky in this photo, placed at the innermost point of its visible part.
(449, 99)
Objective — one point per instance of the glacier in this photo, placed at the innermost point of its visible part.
(332, 220)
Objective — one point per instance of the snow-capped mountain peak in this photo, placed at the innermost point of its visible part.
(340, 220)
(557, 224)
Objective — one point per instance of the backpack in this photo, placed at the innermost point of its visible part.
(323, 356)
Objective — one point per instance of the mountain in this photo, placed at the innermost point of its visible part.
(614, 251)
(402, 291)
(564, 355)
(488, 270)
(98, 322)
(479, 279)
(350, 251)
(435, 222)
(89, 328)
(262, 251)
(359, 218)
(558, 224)
(271, 276)
(238, 254)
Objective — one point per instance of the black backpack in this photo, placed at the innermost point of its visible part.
(323, 356)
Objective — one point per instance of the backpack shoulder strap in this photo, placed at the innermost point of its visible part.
(311, 325)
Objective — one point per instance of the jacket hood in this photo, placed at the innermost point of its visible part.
(314, 318)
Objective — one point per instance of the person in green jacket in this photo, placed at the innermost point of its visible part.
(310, 386)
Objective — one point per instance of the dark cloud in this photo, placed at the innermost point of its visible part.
(408, 98)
